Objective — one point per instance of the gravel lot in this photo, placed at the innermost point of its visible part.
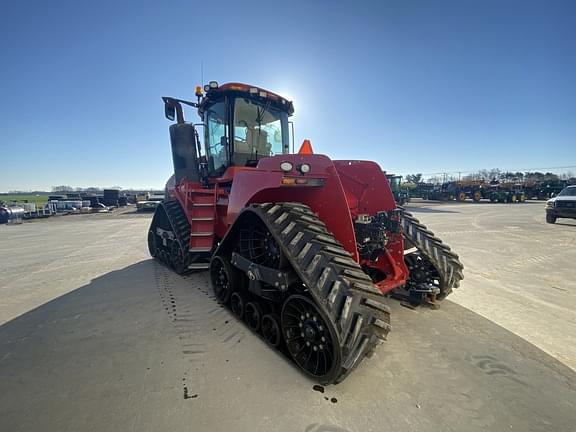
(94, 335)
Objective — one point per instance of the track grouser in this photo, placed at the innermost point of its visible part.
(300, 247)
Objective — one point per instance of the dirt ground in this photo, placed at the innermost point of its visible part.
(96, 336)
(520, 271)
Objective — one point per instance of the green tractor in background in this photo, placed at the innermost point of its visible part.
(506, 193)
(401, 194)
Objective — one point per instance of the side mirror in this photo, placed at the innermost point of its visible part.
(169, 111)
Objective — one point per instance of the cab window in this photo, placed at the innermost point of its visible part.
(216, 139)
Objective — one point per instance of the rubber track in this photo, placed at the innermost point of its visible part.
(446, 262)
(180, 226)
(335, 281)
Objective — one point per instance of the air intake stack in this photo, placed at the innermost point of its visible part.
(184, 154)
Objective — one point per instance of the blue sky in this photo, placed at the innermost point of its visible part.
(417, 85)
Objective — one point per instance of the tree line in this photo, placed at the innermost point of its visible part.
(494, 175)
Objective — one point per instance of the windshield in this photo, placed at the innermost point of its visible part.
(259, 131)
(571, 191)
(215, 139)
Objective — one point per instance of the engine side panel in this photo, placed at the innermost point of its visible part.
(368, 192)
(366, 186)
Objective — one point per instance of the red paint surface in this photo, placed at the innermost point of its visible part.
(349, 188)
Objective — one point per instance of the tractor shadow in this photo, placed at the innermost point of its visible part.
(143, 348)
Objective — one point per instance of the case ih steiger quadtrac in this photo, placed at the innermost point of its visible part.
(301, 247)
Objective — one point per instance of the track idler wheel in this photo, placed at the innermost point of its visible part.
(271, 330)
(237, 305)
(311, 342)
(222, 278)
(253, 315)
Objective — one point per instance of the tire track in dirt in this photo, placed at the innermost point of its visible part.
(183, 320)
(204, 327)
(517, 265)
(227, 329)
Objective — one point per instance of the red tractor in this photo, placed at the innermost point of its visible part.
(301, 247)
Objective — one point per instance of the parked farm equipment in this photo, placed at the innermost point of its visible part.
(301, 247)
(401, 194)
(471, 190)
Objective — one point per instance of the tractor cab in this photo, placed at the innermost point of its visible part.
(241, 123)
(395, 182)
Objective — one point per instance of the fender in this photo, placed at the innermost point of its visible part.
(328, 201)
